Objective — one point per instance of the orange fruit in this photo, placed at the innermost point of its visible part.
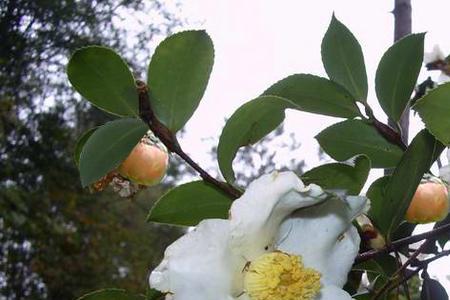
(429, 204)
(145, 165)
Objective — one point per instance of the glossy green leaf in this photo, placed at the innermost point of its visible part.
(108, 146)
(102, 77)
(316, 94)
(249, 123)
(339, 176)
(379, 270)
(397, 74)
(403, 183)
(153, 294)
(352, 137)
(343, 59)
(80, 144)
(111, 294)
(379, 204)
(178, 75)
(434, 109)
(432, 290)
(190, 203)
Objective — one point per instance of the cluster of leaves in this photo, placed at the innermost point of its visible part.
(177, 77)
(56, 242)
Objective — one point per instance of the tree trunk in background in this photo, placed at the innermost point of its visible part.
(402, 27)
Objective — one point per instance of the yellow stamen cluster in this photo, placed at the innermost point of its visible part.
(280, 276)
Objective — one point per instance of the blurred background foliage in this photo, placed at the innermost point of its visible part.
(58, 241)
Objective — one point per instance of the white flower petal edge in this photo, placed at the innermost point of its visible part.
(434, 55)
(208, 262)
(257, 215)
(333, 293)
(199, 265)
(444, 172)
(325, 237)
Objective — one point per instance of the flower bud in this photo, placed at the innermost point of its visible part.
(369, 234)
(429, 204)
(146, 164)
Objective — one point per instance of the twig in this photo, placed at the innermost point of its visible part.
(402, 242)
(386, 131)
(171, 142)
(401, 272)
(421, 265)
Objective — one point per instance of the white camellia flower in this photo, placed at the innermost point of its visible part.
(283, 241)
(444, 172)
(435, 56)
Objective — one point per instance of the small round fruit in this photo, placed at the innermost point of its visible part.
(146, 164)
(429, 204)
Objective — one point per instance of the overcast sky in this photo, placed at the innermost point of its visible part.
(260, 42)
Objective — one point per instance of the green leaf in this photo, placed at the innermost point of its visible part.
(397, 74)
(343, 59)
(432, 290)
(190, 203)
(434, 109)
(352, 137)
(380, 269)
(101, 76)
(80, 144)
(338, 176)
(403, 183)
(153, 294)
(316, 94)
(178, 75)
(108, 146)
(249, 123)
(111, 294)
(379, 204)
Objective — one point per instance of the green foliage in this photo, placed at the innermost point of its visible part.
(434, 109)
(80, 144)
(58, 241)
(352, 137)
(177, 76)
(343, 59)
(190, 203)
(108, 146)
(338, 176)
(397, 74)
(432, 290)
(316, 94)
(111, 294)
(102, 77)
(379, 204)
(391, 195)
(251, 122)
(153, 294)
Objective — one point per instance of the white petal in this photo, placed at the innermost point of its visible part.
(199, 265)
(324, 236)
(444, 173)
(448, 155)
(257, 215)
(443, 78)
(434, 55)
(331, 292)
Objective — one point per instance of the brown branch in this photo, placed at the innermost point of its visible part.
(401, 272)
(386, 131)
(170, 141)
(395, 245)
(420, 266)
